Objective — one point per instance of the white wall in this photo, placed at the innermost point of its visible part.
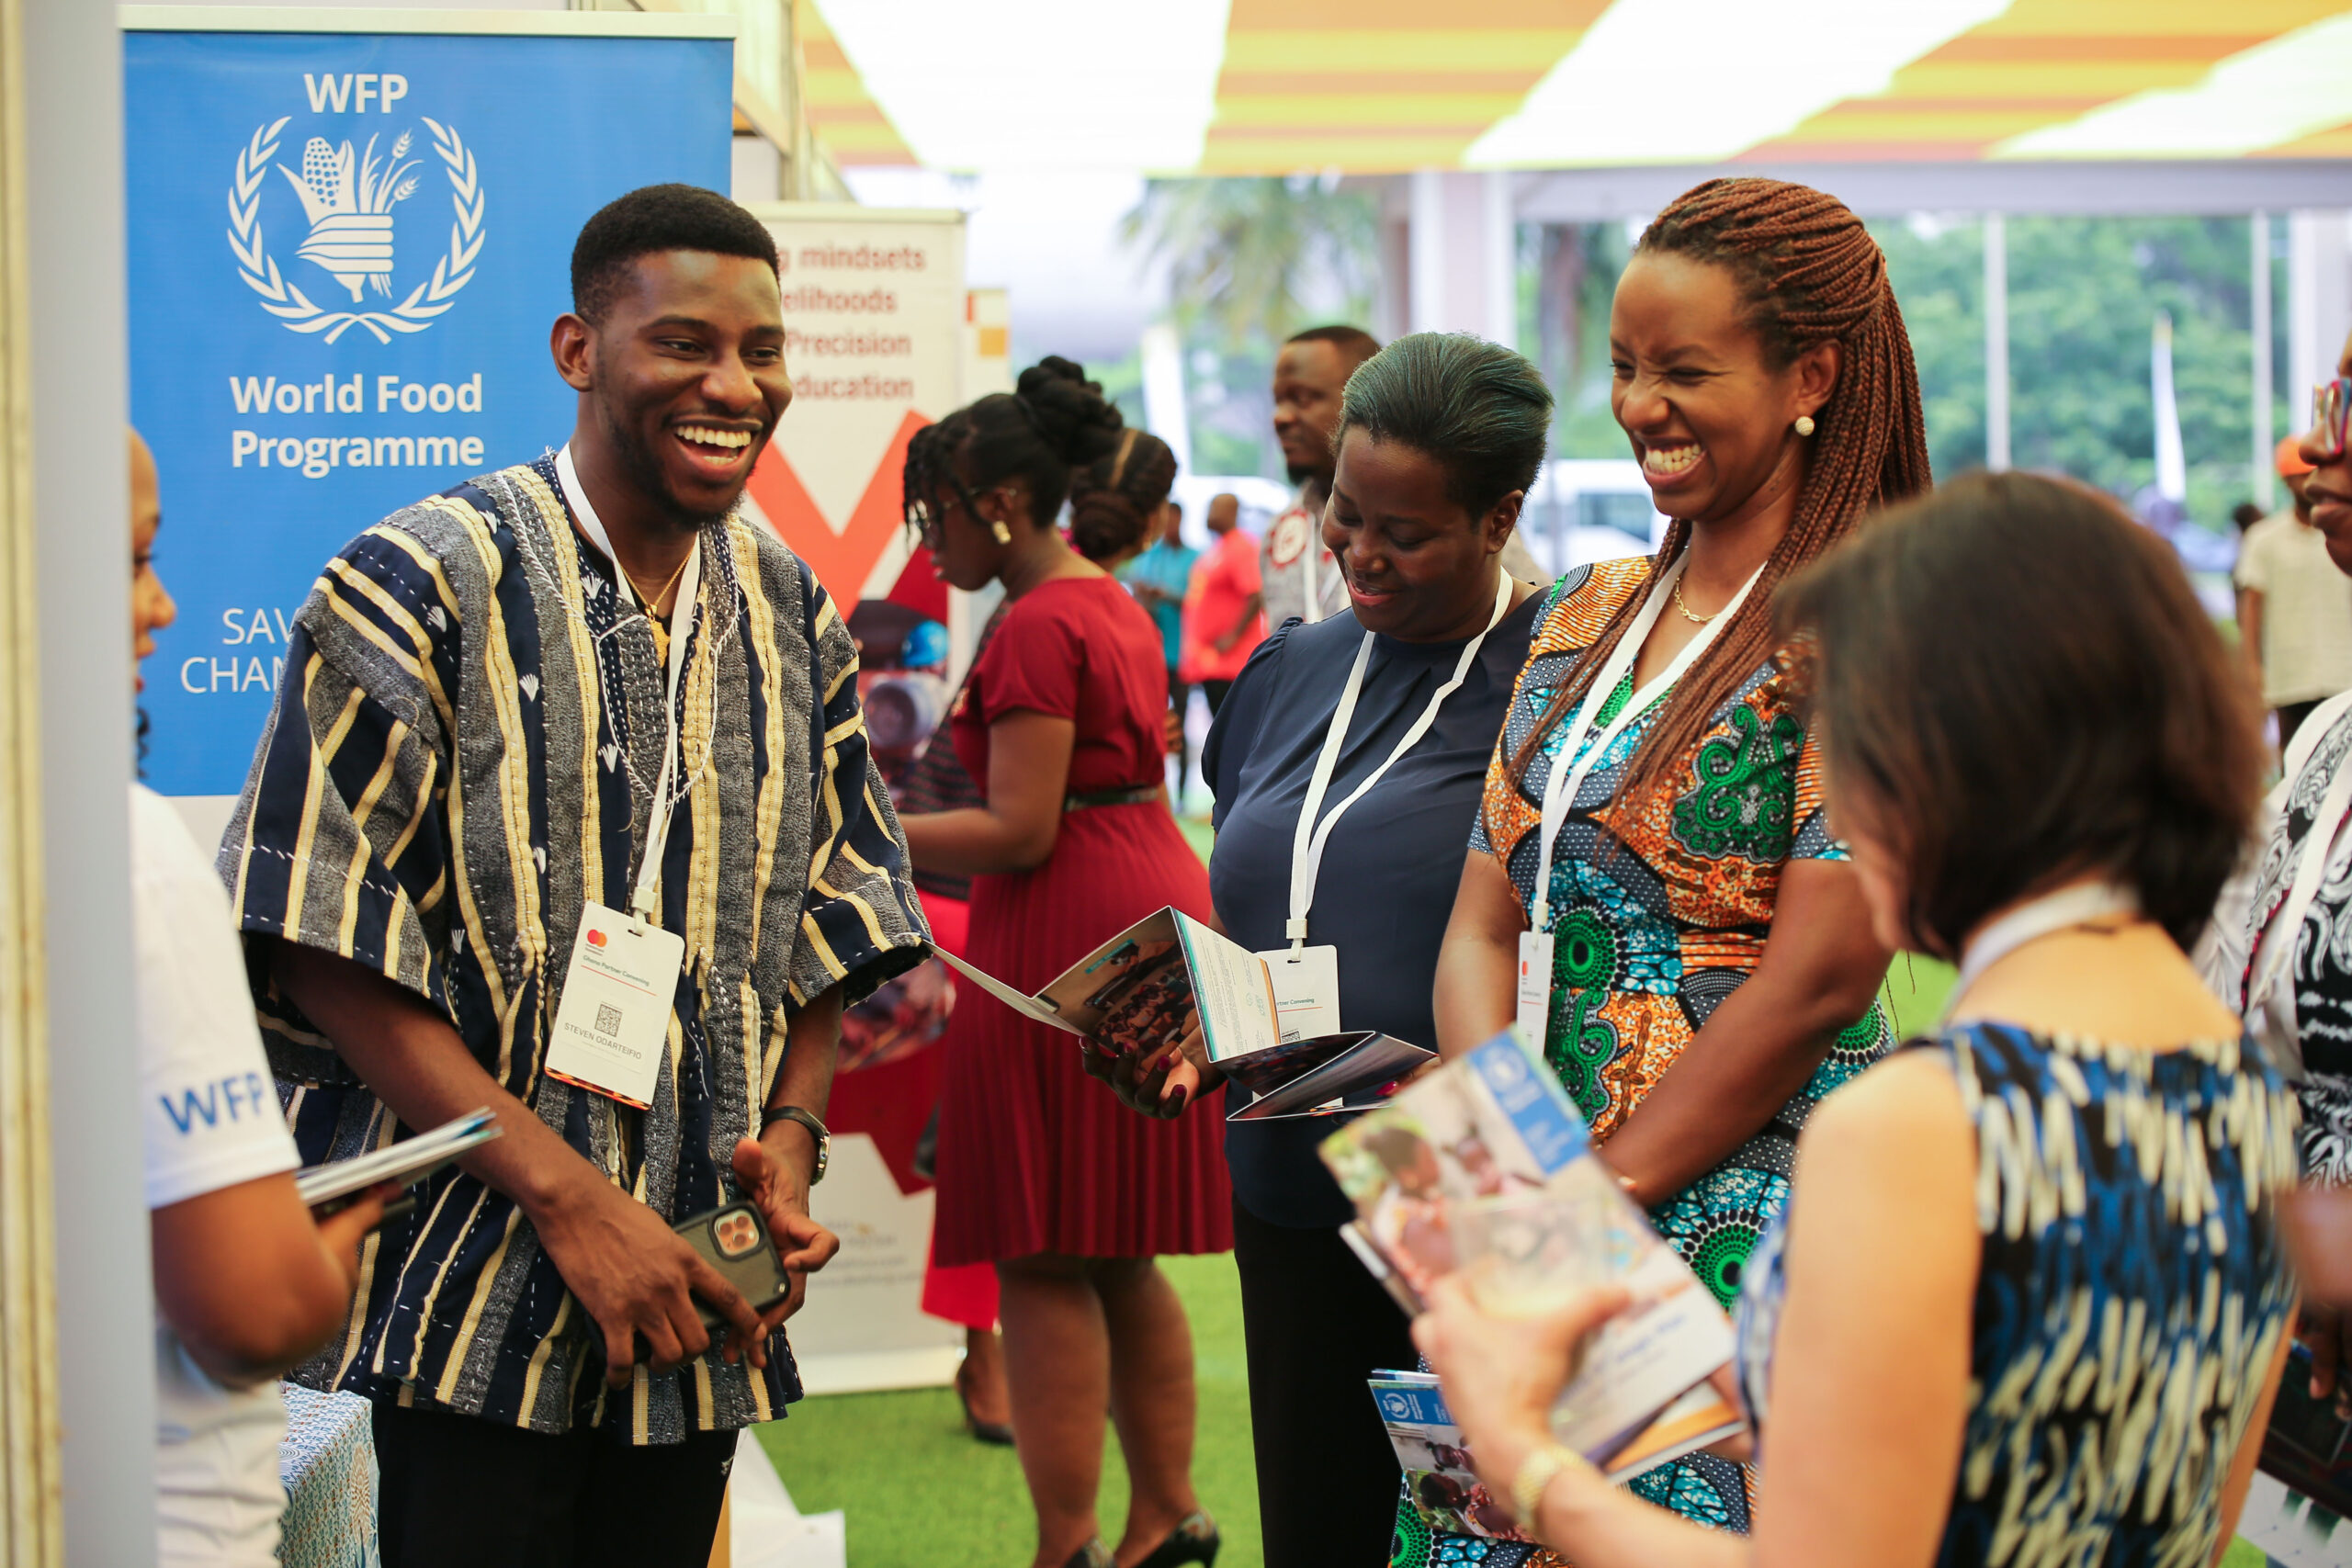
(1050, 239)
(105, 1358)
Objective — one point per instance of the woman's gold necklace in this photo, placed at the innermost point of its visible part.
(1699, 620)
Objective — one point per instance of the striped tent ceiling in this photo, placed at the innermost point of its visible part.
(1372, 87)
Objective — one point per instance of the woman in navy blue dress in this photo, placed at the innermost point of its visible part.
(1439, 438)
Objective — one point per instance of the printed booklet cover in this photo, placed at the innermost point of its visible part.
(1140, 991)
(1485, 1167)
(1442, 1478)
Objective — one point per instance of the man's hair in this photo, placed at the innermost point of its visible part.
(2000, 729)
(1355, 345)
(2246, 514)
(652, 220)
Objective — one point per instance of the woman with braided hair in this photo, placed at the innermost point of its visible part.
(1040, 1173)
(1652, 840)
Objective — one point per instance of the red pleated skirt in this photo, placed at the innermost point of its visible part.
(1034, 1156)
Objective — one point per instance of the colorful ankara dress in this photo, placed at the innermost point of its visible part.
(1659, 912)
(464, 752)
(2115, 1187)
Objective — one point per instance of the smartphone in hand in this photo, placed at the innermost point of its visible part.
(734, 1240)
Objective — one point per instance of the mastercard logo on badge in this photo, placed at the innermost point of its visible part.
(595, 937)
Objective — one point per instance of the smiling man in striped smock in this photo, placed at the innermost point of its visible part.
(571, 717)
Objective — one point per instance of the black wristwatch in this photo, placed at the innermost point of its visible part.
(816, 1129)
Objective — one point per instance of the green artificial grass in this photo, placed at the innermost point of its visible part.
(1199, 834)
(920, 1492)
(1915, 992)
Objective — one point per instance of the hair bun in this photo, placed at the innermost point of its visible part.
(1074, 418)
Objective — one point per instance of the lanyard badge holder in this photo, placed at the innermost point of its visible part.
(612, 1028)
(1306, 979)
(1574, 762)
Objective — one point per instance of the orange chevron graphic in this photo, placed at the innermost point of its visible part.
(843, 560)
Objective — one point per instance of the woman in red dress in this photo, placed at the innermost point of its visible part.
(1041, 1172)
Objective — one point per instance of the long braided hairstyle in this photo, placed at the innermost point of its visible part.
(1809, 274)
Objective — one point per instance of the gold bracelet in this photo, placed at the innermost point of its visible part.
(1536, 1473)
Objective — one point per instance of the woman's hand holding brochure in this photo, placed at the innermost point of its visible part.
(1502, 1375)
(1157, 1083)
(1478, 1185)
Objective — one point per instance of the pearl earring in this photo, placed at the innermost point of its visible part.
(1804, 425)
(1003, 535)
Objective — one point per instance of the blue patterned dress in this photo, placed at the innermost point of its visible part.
(1661, 910)
(2125, 1198)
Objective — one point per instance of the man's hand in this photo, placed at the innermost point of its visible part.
(635, 1276)
(770, 1172)
(2327, 1332)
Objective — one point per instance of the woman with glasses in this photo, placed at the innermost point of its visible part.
(2285, 931)
(1041, 1173)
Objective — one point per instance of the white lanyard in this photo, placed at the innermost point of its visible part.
(667, 789)
(2031, 922)
(1310, 838)
(1574, 761)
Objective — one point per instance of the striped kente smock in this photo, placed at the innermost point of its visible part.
(464, 750)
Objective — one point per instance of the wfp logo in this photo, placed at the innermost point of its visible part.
(352, 197)
(351, 226)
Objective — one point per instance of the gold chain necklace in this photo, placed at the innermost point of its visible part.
(1699, 620)
(652, 601)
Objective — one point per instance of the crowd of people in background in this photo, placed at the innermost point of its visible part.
(2021, 1290)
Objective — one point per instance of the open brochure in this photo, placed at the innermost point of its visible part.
(1139, 992)
(1440, 1475)
(407, 1162)
(1484, 1168)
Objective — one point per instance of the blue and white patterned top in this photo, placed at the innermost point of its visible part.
(462, 758)
(2132, 1290)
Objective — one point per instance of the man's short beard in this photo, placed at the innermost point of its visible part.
(1300, 473)
(645, 473)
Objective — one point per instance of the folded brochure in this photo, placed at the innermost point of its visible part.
(1440, 1476)
(1139, 992)
(1485, 1167)
(408, 1161)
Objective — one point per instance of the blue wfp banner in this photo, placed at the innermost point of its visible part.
(347, 250)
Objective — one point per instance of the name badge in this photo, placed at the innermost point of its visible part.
(612, 1029)
(1306, 991)
(1534, 1015)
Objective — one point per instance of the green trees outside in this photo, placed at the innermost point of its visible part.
(2084, 293)
(1249, 261)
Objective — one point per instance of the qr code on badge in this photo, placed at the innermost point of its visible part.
(608, 1018)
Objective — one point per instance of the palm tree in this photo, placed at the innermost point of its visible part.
(1251, 261)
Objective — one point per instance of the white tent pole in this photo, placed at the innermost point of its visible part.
(2263, 472)
(1997, 342)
